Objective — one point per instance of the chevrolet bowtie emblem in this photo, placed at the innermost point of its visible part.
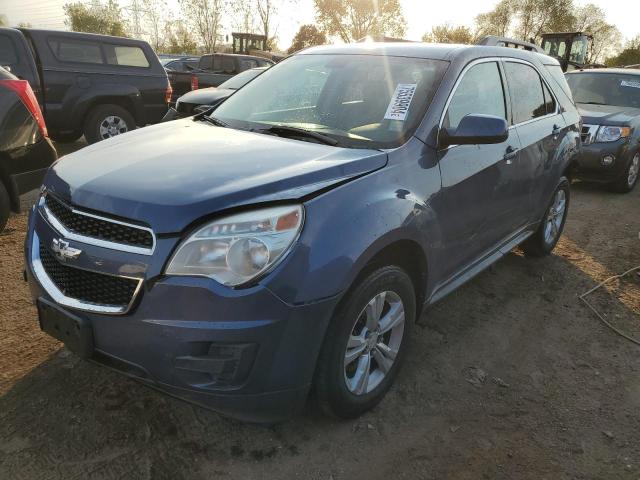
(63, 251)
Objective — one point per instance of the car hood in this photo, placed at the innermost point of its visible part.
(205, 96)
(172, 174)
(607, 114)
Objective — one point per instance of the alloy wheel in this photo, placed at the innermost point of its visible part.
(555, 216)
(112, 126)
(374, 343)
(634, 169)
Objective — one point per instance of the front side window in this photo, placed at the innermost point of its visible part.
(555, 48)
(549, 101)
(126, 56)
(368, 101)
(527, 96)
(621, 90)
(77, 51)
(479, 91)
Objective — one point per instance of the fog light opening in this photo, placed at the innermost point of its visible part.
(608, 160)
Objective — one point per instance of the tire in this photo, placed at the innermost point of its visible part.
(546, 237)
(336, 388)
(629, 180)
(106, 121)
(65, 137)
(5, 204)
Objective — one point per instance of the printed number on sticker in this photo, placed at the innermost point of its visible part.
(400, 102)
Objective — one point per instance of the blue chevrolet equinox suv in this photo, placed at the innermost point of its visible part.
(282, 246)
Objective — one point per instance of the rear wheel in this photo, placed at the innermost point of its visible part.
(630, 177)
(107, 121)
(544, 240)
(5, 204)
(365, 343)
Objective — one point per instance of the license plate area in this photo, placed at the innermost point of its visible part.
(74, 331)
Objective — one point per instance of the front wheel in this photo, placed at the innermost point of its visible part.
(545, 238)
(365, 343)
(630, 177)
(107, 121)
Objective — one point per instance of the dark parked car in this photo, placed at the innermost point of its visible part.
(25, 150)
(203, 99)
(287, 243)
(95, 85)
(186, 64)
(213, 70)
(609, 101)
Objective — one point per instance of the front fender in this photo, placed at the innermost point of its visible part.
(346, 228)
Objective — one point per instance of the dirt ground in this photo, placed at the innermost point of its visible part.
(511, 377)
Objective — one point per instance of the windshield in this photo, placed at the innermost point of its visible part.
(241, 79)
(605, 89)
(363, 101)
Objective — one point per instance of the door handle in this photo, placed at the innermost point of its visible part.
(510, 154)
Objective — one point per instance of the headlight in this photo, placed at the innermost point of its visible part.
(611, 134)
(236, 249)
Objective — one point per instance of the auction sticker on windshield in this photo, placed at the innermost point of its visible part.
(400, 102)
(626, 83)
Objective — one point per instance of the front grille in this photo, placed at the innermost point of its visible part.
(88, 287)
(102, 229)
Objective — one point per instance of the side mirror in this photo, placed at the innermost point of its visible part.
(476, 129)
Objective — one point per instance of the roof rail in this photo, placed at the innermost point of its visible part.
(494, 41)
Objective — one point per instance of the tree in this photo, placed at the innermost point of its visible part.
(498, 21)
(105, 19)
(206, 18)
(606, 37)
(629, 56)
(154, 15)
(536, 17)
(3, 20)
(307, 36)
(179, 40)
(449, 34)
(244, 16)
(355, 19)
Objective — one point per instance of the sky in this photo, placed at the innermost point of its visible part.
(421, 15)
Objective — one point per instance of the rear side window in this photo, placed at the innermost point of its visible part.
(126, 56)
(206, 62)
(228, 65)
(7, 51)
(549, 101)
(77, 51)
(480, 91)
(525, 86)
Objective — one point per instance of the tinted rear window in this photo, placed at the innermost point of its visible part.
(126, 56)
(7, 51)
(78, 51)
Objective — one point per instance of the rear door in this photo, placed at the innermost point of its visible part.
(541, 128)
(475, 178)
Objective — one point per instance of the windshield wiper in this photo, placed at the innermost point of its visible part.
(592, 103)
(287, 131)
(212, 120)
